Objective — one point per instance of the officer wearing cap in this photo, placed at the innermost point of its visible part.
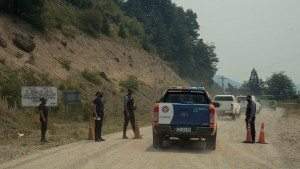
(43, 119)
(128, 112)
(250, 116)
(98, 115)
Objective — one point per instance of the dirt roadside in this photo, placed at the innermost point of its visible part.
(282, 151)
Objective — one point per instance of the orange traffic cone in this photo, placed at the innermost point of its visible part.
(262, 134)
(137, 130)
(91, 133)
(248, 136)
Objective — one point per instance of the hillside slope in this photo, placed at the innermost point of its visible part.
(115, 59)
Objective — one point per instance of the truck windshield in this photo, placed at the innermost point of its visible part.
(223, 98)
(239, 99)
(186, 97)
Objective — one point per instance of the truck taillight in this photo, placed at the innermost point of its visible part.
(212, 115)
(231, 106)
(155, 114)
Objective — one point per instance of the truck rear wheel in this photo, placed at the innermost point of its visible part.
(233, 116)
(211, 142)
(157, 140)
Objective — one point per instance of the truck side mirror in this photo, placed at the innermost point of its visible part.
(216, 104)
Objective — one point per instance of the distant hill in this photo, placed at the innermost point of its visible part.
(218, 80)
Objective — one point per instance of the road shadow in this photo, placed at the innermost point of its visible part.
(177, 146)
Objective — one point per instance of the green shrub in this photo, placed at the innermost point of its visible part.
(69, 33)
(12, 80)
(131, 82)
(83, 4)
(2, 60)
(91, 76)
(69, 85)
(105, 27)
(65, 63)
(10, 87)
(87, 112)
(122, 33)
(90, 21)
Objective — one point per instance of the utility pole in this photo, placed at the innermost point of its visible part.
(223, 78)
(283, 89)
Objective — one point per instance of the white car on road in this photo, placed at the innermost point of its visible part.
(242, 100)
(228, 106)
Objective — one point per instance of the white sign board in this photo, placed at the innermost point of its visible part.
(31, 95)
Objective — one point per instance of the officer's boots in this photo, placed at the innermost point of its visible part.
(124, 134)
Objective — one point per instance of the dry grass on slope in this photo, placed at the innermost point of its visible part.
(112, 60)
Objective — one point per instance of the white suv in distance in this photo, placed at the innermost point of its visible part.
(242, 100)
(228, 106)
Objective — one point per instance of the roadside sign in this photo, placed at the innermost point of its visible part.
(71, 96)
(31, 95)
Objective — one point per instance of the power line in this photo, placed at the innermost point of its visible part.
(223, 78)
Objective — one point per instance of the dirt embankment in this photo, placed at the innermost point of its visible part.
(113, 60)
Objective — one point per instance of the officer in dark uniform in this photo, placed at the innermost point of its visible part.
(128, 112)
(98, 115)
(250, 116)
(43, 119)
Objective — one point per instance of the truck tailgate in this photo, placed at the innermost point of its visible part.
(224, 105)
(184, 114)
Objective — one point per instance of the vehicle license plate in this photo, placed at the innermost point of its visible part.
(183, 129)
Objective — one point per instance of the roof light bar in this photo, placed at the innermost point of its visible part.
(189, 87)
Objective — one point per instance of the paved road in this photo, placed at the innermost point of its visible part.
(139, 153)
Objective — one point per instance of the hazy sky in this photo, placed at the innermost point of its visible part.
(260, 34)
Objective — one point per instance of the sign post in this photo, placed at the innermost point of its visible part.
(71, 97)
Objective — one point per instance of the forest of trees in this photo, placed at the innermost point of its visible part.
(175, 35)
(158, 26)
(279, 85)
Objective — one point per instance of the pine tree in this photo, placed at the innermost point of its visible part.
(254, 83)
(122, 32)
(106, 27)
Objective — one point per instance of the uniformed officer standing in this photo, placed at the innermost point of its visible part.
(250, 116)
(43, 119)
(128, 112)
(98, 115)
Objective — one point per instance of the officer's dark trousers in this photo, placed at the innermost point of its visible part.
(43, 129)
(252, 126)
(131, 118)
(98, 128)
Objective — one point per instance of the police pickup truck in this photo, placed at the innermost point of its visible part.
(185, 112)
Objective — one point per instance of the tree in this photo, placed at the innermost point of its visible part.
(122, 32)
(281, 86)
(30, 10)
(244, 89)
(254, 83)
(231, 89)
(105, 27)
